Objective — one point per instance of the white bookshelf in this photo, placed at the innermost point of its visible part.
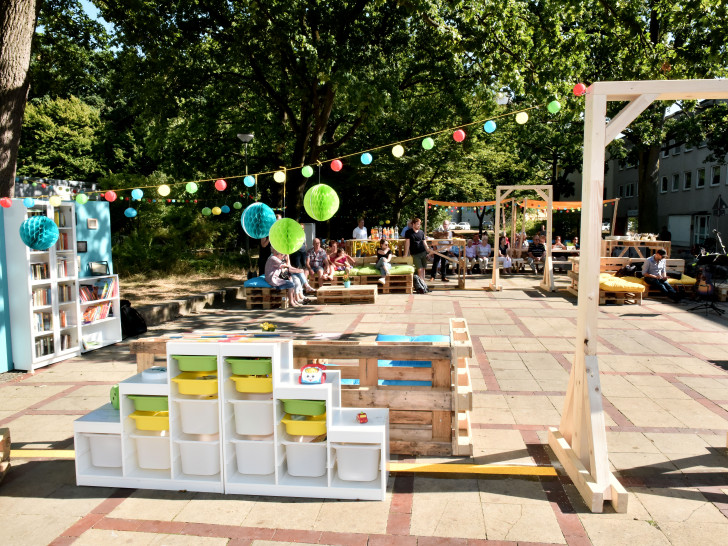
(101, 331)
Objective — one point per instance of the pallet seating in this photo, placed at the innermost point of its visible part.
(339, 295)
(365, 274)
(265, 298)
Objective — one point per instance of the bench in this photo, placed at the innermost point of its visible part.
(395, 284)
(339, 295)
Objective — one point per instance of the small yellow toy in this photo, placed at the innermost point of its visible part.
(268, 327)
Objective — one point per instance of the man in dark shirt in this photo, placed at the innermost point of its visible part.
(416, 246)
(536, 252)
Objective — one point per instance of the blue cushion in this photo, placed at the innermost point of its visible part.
(391, 382)
(392, 337)
(257, 282)
(434, 338)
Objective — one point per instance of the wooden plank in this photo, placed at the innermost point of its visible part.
(464, 446)
(620, 497)
(144, 361)
(400, 447)
(397, 399)
(441, 373)
(472, 469)
(4, 452)
(410, 433)
(368, 372)
(587, 487)
(406, 417)
(370, 349)
(388, 374)
(442, 426)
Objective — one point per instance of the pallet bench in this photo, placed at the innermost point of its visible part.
(424, 420)
(4, 452)
(327, 295)
(396, 284)
(265, 298)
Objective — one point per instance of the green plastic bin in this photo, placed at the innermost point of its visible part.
(304, 407)
(250, 366)
(149, 403)
(196, 363)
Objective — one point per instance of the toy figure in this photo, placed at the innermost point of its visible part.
(312, 374)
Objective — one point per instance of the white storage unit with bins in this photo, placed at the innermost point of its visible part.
(238, 421)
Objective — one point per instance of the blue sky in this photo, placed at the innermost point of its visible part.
(93, 12)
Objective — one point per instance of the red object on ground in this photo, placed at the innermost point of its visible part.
(579, 89)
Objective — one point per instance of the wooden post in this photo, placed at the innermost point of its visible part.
(614, 216)
(427, 201)
(4, 452)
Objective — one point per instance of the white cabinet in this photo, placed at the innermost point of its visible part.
(223, 440)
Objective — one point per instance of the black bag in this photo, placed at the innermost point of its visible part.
(285, 274)
(419, 284)
(627, 271)
(673, 274)
(132, 322)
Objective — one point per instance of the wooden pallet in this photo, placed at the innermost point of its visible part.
(4, 452)
(620, 298)
(396, 284)
(265, 298)
(327, 295)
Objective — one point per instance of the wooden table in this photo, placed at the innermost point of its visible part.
(340, 295)
(609, 245)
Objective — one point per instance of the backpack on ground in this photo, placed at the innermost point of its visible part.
(132, 322)
(419, 285)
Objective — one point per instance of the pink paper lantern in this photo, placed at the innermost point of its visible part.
(220, 185)
(110, 196)
(459, 135)
(579, 89)
(336, 165)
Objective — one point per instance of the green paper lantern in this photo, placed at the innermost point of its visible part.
(553, 106)
(321, 202)
(307, 171)
(191, 187)
(428, 143)
(287, 236)
(207, 211)
(237, 205)
(82, 199)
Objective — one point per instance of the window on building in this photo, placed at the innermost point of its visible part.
(700, 182)
(700, 228)
(703, 144)
(629, 190)
(675, 182)
(621, 191)
(688, 148)
(676, 149)
(665, 151)
(715, 175)
(687, 180)
(663, 185)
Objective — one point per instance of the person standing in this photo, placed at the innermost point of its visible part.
(360, 232)
(405, 229)
(416, 246)
(444, 231)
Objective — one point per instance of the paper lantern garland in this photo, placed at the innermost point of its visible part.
(428, 143)
(191, 187)
(220, 185)
(521, 118)
(307, 171)
(130, 212)
(39, 232)
(554, 106)
(137, 194)
(336, 165)
(459, 135)
(164, 190)
(28, 202)
(366, 158)
(82, 199)
(257, 220)
(55, 201)
(489, 126)
(249, 181)
(286, 236)
(398, 151)
(5, 202)
(110, 196)
(321, 202)
(279, 176)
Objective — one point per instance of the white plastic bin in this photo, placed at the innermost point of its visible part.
(199, 458)
(152, 449)
(105, 450)
(199, 415)
(357, 462)
(255, 456)
(306, 459)
(253, 417)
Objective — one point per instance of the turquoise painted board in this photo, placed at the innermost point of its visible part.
(6, 356)
(98, 241)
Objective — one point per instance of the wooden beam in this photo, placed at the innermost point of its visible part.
(663, 89)
(626, 116)
(583, 481)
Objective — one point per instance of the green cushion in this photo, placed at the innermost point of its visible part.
(397, 269)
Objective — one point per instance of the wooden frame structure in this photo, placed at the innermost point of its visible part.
(580, 442)
(546, 192)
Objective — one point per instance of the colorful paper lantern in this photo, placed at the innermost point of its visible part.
(307, 171)
(216, 211)
(237, 205)
(164, 190)
(279, 176)
(220, 185)
(257, 220)
(249, 181)
(459, 135)
(29, 202)
(579, 89)
(6, 202)
(554, 106)
(55, 201)
(137, 194)
(428, 143)
(130, 212)
(38, 232)
(336, 165)
(225, 209)
(366, 158)
(286, 236)
(398, 151)
(110, 196)
(82, 199)
(207, 211)
(521, 118)
(489, 126)
(321, 202)
(191, 187)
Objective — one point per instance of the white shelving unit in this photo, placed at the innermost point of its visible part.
(100, 332)
(254, 463)
(45, 329)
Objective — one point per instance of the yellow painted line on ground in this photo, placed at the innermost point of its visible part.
(42, 454)
(444, 468)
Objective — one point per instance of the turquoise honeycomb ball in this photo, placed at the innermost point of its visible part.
(39, 232)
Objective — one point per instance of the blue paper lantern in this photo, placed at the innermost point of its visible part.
(489, 126)
(257, 220)
(137, 194)
(130, 212)
(28, 202)
(249, 181)
(366, 158)
(39, 232)
(225, 209)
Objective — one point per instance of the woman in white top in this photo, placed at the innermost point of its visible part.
(483, 253)
(471, 254)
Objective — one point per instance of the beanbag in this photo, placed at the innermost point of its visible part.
(610, 283)
(257, 282)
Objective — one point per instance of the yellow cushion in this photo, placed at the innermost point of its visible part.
(684, 280)
(635, 280)
(610, 283)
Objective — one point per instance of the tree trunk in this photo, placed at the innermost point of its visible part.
(649, 164)
(17, 25)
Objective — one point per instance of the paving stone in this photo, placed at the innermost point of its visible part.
(679, 505)
(152, 505)
(522, 522)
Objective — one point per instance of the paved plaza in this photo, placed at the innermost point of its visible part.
(664, 376)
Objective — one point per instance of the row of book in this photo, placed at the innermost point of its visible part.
(65, 293)
(62, 268)
(59, 219)
(62, 243)
(44, 346)
(43, 322)
(97, 312)
(98, 291)
(41, 296)
(63, 318)
(39, 271)
(66, 342)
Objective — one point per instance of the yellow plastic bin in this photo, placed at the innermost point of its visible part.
(305, 425)
(252, 383)
(196, 383)
(151, 420)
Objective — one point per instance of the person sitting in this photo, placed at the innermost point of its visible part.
(655, 275)
(405, 229)
(384, 255)
(558, 244)
(331, 255)
(275, 266)
(483, 253)
(317, 261)
(576, 243)
(343, 261)
(471, 256)
(536, 253)
(504, 254)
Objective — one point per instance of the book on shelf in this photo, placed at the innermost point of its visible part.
(41, 296)
(43, 322)
(98, 291)
(92, 340)
(97, 312)
(66, 342)
(39, 271)
(59, 219)
(63, 318)
(44, 346)
(65, 293)
(62, 267)
(62, 243)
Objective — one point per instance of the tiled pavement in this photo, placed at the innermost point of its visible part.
(665, 396)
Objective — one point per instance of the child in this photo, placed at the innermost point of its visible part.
(343, 261)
